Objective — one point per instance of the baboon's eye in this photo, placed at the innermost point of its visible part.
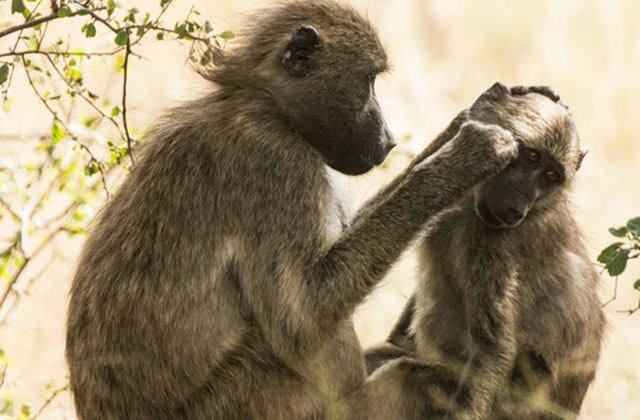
(533, 156)
(552, 176)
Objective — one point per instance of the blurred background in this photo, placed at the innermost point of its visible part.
(444, 54)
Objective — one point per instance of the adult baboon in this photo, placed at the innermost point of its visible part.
(219, 281)
(506, 301)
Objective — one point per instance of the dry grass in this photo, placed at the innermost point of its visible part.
(444, 54)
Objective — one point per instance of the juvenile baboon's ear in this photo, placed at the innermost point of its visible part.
(583, 153)
(298, 58)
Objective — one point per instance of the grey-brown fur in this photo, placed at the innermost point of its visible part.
(512, 311)
(219, 281)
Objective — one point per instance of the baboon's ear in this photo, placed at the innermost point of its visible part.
(298, 58)
(583, 153)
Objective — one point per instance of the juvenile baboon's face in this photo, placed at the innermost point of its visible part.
(504, 200)
(328, 95)
(548, 157)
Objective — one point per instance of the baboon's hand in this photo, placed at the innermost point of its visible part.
(491, 147)
(541, 90)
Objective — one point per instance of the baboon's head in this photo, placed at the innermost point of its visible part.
(317, 62)
(549, 153)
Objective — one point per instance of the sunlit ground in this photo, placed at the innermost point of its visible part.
(444, 55)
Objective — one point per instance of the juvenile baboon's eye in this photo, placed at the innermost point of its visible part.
(552, 176)
(533, 156)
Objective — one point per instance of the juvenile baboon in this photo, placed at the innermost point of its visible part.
(219, 281)
(506, 299)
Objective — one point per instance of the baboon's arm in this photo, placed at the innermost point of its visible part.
(319, 290)
(443, 138)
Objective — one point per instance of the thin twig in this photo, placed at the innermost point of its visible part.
(104, 21)
(49, 400)
(125, 70)
(30, 24)
(53, 16)
(12, 281)
(3, 375)
(62, 53)
(16, 276)
(8, 250)
(615, 293)
(8, 310)
(54, 113)
(10, 208)
(630, 311)
(155, 27)
(87, 100)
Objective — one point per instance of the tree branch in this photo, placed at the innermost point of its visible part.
(30, 24)
(125, 70)
(49, 400)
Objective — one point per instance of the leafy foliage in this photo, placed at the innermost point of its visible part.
(90, 141)
(616, 256)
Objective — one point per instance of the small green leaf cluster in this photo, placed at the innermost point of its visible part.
(616, 256)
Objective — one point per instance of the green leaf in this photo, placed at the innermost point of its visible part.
(226, 35)
(614, 257)
(57, 132)
(4, 73)
(618, 263)
(619, 232)
(91, 122)
(74, 75)
(90, 30)
(633, 226)
(111, 7)
(4, 360)
(26, 13)
(25, 412)
(206, 58)
(160, 36)
(64, 11)
(118, 154)
(208, 27)
(181, 30)
(115, 111)
(17, 6)
(91, 168)
(122, 37)
(164, 2)
(609, 252)
(636, 284)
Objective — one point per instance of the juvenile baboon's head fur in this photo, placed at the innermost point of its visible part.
(549, 154)
(540, 120)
